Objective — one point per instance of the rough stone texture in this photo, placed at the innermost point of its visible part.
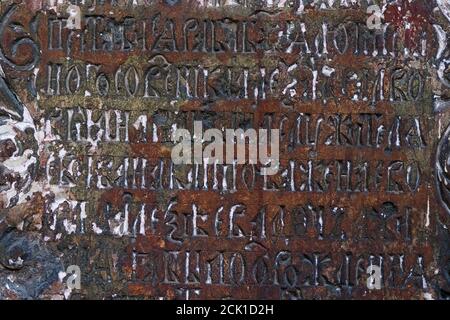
(86, 179)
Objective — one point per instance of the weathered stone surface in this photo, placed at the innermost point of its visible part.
(90, 92)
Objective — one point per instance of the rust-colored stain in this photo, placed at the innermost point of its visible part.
(92, 91)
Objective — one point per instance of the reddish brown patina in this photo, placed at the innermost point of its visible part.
(91, 92)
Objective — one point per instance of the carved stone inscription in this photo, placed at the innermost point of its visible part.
(356, 94)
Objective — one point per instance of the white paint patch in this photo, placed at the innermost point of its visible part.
(18, 164)
(67, 293)
(328, 71)
(96, 229)
(69, 226)
(61, 276)
(428, 296)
